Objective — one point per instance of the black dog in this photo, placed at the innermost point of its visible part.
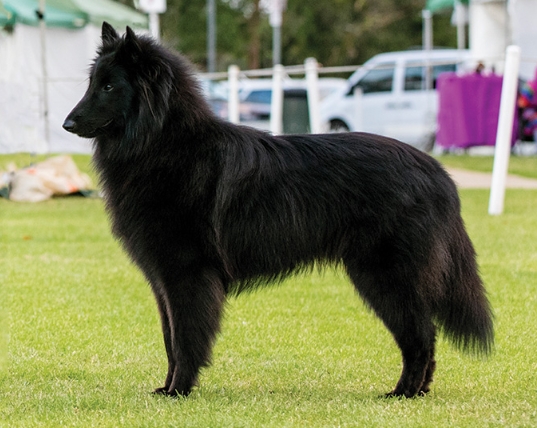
(206, 209)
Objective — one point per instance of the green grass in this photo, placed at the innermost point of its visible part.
(84, 347)
(525, 166)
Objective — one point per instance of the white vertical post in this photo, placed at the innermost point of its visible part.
(152, 8)
(154, 25)
(233, 95)
(312, 83)
(505, 130)
(276, 102)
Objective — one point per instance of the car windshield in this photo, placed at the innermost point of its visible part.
(379, 79)
(259, 96)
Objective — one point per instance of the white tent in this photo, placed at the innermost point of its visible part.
(494, 25)
(69, 52)
(523, 15)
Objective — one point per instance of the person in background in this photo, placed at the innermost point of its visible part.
(527, 105)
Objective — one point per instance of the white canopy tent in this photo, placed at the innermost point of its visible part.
(69, 52)
(523, 14)
(494, 25)
(22, 125)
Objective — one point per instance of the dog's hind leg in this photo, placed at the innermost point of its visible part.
(192, 305)
(426, 387)
(417, 348)
(409, 320)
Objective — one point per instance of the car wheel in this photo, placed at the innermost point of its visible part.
(338, 126)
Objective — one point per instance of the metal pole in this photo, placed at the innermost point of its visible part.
(460, 17)
(276, 45)
(275, 19)
(427, 44)
(211, 36)
(43, 31)
(427, 35)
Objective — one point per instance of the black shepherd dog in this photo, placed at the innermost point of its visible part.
(209, 209)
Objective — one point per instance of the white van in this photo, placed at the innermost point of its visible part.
(389, 96)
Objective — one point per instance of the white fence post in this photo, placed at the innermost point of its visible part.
(233, 95)
(276, 102)
(505, 130)
(312, 84)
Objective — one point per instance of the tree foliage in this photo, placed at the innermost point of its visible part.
(336, 32)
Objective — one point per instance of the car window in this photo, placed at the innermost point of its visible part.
(377, 80)
(259, 96)
(415, 75)
(414, 78)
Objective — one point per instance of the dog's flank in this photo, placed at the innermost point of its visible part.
(207, 209)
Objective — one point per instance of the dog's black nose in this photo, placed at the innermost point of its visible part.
(69, 125)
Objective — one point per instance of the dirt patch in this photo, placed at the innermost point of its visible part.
(481, 180)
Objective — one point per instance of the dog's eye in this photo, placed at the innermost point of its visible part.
(107, 88)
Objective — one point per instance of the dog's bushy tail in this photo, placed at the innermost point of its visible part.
(465, 315)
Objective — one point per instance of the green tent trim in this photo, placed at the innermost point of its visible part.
(24, 11)
(6, 17)
(438, 5)
(71, 13)
(116, 14)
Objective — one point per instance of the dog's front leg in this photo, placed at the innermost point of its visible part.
(166, 331)
(193, 307)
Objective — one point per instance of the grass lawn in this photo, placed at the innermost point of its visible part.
(525, 166)
(80, 341)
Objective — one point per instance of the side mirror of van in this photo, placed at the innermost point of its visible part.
(355, 90)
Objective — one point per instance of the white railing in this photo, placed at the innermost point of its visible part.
(310, 69)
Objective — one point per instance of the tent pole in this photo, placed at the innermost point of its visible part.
(427, 40)
(211, 36)
(460, 17)
(427, 34)
(43, 30)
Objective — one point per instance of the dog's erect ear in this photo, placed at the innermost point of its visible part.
(108, 35)
(132, 44)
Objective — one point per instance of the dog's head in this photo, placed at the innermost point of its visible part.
(129, 89)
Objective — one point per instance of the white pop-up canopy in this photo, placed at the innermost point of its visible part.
(496, 24)
(71, 37)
